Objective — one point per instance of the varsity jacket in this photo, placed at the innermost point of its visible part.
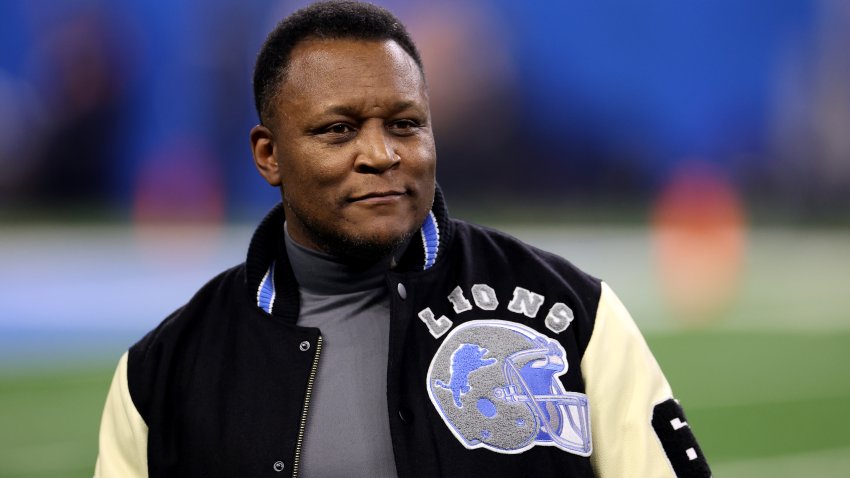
(504, 360)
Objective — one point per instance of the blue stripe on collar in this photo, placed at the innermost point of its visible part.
(266, 292)
(430, 240)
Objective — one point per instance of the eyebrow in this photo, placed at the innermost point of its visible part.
(354, 111)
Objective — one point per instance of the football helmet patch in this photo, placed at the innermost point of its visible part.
(495, 384)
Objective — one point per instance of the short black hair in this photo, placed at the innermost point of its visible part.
(325, 20)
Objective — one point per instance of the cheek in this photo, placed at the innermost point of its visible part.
(327, 172)
(423, 156)
(311, 168)
(427, 165)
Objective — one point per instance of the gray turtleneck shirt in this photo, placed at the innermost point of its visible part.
(348, 429)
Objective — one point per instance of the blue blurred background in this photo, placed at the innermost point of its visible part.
(694, 154)
(115, 105)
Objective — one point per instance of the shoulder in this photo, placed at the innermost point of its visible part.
(227, 286)
(185, 334)
(522, 273)
(488, 246)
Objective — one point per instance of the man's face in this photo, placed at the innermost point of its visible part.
(353, 145)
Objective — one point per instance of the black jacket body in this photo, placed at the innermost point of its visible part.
(223, 385)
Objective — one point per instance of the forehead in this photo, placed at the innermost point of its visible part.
(324, 71)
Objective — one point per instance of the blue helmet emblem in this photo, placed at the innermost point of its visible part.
(495, 384)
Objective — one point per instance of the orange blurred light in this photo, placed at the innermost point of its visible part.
(699, 238)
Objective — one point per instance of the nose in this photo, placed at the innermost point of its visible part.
(375, 153)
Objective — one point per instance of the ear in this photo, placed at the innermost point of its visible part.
(262, 146)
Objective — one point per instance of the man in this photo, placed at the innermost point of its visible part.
(367, 333)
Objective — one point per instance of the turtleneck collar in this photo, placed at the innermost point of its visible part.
(321, 273)
(270, 280)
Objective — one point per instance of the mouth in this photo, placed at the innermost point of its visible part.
(377, 196)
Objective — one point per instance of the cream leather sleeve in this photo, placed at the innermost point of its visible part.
(123, 433)
(623, 383)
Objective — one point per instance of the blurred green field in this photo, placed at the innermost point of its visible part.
(753, 398)
(48, 422)
(760, 404)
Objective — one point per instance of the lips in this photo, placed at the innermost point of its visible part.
(377, 195)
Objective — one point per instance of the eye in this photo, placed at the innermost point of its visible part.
(404, 127)
(339, 129)
(335, 132)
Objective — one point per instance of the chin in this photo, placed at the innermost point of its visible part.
(369, 246)
(387, 233)
(388, 237)
(361, 238)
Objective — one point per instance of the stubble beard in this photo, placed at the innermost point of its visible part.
(354, 249)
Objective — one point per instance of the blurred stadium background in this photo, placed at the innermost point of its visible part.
(696, 155)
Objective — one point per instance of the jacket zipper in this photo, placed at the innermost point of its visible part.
(303, 425)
